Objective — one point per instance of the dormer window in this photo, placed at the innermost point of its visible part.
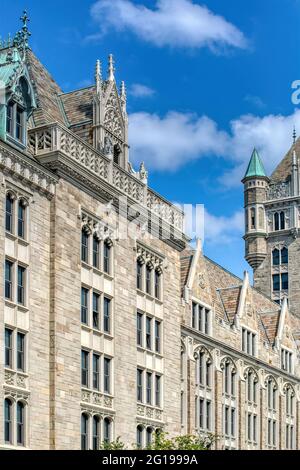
(15, 122)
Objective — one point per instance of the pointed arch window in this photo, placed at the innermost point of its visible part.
(276, 257)
(284, 256)
(8, 421)
(96, 432)
(9, 213)
(84, 432)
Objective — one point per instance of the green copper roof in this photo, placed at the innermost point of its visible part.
(255, 167)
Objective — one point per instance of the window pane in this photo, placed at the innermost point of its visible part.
(148, 333)
(284, 256)
(96, 252)
(84, 305)
(276, 283)
(106, 258)
(20, 423)
(148, 280)
(139, 329)
(149, 388)
(21, 285)
(276, 257)
(157, 390)
(139, 382)
(96, 371)
(21, 219)
(107, 430)
(8, 421)
(157, 284)
(107, 363)
(96, 433)
(8, 279)
(96, 313)
(9, 213)
(107, 305)
(84, 368)
(157, 336)
(9, 118)
(84, 246)
(84, 432)
(139, 275)
(19, 124)
(284, 281)
(8, 348)
(21, 352)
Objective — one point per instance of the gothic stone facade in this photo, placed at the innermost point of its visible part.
(107, 327)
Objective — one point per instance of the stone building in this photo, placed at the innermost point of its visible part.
(110, 324)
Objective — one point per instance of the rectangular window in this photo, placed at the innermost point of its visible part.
(285, 281)
(208, 415)
(157, 289)
(255, 428)
(148, 280)
(286, 360)
(207, 321)
(96, 252)
(139, 275)
(208, 374)
(157, 336)
(84, 305)
(20, 424)
(21, 219)
(276, 282)
(8, 348)
(194, 314)
(96, 312)
(8, 421)
(232, 422)
(21, 352)
(139, 329)
(9, 213)
(8, 279)
(248, 342)
(139, 385)
(201, 368)
(148, 333)
(9, 118)
(157, 390)
(21, 285)
(149, 388)
(274, 433)
(226, 419)
(106, 315)
(106, 257)
(96, 371)
(84, 368)
(107, 381)
(19, 124)
(84, 246)
(201, 413)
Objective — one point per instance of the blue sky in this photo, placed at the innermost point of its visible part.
(207, 81)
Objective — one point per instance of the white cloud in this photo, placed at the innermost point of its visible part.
(175, 23)
(223, 230)
(171, 141)
(141, 91)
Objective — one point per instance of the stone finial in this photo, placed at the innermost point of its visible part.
(143, 173)
(294, 135)
(111, 68)
(98, 76)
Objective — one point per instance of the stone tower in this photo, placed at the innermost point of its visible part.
(272, 221)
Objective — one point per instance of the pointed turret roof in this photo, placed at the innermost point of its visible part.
(255, 167)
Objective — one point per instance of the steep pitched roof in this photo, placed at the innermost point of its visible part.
(186, 258)
(255, 167)
(284, 170)
(78, 105)
(230, 301)
(46, 93)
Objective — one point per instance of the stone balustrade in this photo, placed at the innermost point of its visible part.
(56, 138)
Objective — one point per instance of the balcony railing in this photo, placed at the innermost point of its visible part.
(54, 137)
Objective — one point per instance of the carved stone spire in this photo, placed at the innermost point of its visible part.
(123, 97)
(111, 68)
(143, 173)
(98, 77)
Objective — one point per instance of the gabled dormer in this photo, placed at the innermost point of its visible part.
(17, 99)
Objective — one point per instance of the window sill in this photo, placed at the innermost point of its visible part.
(149, 351)
(149, 296)
(12, 304)
(96, 331)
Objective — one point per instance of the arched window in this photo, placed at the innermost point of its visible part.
(149, 433)
(139, 436)
(252, 414)
(8, 421)
(276, 257)
(284, 256)
(229, 400)
(9, 211)
(84, 245)
(96, 432)
(252, 218)
(107, 430)
(84, 432)
(21, 218)
(203, 391)
(272, 413)
(20, 423)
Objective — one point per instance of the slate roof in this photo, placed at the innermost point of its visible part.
(78, 105)
(284, 170)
